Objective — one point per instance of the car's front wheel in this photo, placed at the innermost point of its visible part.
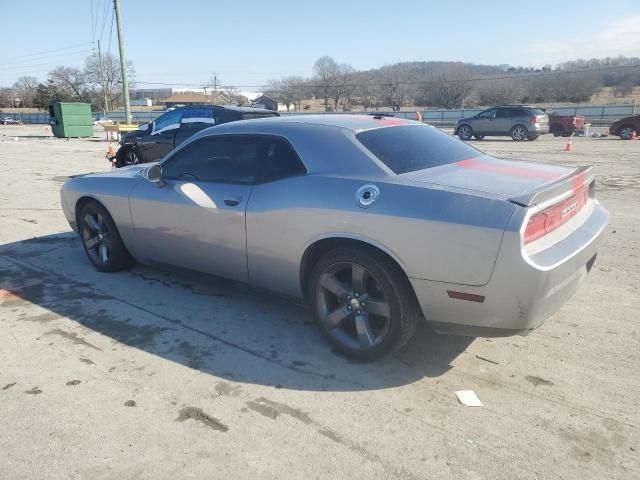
(465, 132)
(128, 157)
(363, 302)
(519, 133)
(626, 133)
(100, 238)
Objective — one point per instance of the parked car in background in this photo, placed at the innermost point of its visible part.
(564, 125)
(9, 121)
(625, 127)
(153, 141)
(520, 122)
(375, 221)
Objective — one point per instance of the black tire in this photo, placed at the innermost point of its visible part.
(126, 156)
(478, 137)
(519, 133)
(465, 132)
(556, 130)
(531, 138)
(389, 325)
(100, 239)
(626, 132)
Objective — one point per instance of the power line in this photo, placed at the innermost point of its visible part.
(66, 54)
(105, 15)
(21, 68)
(46, 51)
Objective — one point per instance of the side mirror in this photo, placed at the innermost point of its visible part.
(153, 174)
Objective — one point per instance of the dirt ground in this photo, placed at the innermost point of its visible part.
(150, 375)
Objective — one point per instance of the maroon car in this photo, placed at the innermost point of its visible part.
(626, 127)
(564, 125)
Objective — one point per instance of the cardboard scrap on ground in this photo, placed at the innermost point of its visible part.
(468, 398)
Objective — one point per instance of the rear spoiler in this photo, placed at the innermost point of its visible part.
(564, 185)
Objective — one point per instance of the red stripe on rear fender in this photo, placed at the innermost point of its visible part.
(475, 164)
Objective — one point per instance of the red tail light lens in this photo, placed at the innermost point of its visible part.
(534, 120)
(551, 218)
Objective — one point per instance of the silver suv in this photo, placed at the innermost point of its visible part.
(520, 122)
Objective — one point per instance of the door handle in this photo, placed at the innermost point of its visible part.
(233, 200)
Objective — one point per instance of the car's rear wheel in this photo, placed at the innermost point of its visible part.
(363, 302)
(465, 132)
(626, 132)
(519, 133)
(100, 238)
(128, 157)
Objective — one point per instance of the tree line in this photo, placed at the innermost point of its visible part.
(98, 83)
(454, 84)
(341, 87)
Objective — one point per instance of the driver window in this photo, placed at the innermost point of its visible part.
(230, 159)
(168, 121)
(488, 114)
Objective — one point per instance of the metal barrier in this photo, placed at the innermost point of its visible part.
(595, 114)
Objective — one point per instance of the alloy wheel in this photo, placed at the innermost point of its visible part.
(96, 237)
(131, 158)
(353, 306)
(465, 132)
(626, 133)
(519, 133)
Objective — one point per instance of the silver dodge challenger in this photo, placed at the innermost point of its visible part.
(376, 222)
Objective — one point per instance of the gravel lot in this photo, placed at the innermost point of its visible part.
(145, 374)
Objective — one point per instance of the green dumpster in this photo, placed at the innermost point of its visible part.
(70, 119)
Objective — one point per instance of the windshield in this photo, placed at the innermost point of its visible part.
(414, 147)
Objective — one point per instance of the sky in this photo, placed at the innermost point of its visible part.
(248, 42)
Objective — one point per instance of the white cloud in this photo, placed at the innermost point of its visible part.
(621, 37)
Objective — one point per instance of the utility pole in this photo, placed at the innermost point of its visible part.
(215, 87)
(123, 63)
(104, 90)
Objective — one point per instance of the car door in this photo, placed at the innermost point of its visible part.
(196, 220)
(160, 137)
(483, 123)
(504, 120)
(193, 120)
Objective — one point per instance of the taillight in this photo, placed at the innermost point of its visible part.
(551, 218)
(534, 120)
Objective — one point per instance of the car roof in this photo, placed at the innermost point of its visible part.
(234, 108)
(354, 123)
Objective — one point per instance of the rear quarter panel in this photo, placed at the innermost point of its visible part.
(433, 233)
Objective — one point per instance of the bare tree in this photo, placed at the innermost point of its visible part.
(397, 86)
(342, 86)
(25, 88)
(497, 91)
(71, 81)
(325, 72)
(104, 73)
(449, 86)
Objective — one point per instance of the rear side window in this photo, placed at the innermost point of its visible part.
(414, 147)
(537, 112)
(279, 161)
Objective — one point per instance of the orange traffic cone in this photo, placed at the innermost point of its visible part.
(113, 163)
(569, 147)
(110, 152)
(634, 135)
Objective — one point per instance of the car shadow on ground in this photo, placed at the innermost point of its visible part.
(205, 323)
